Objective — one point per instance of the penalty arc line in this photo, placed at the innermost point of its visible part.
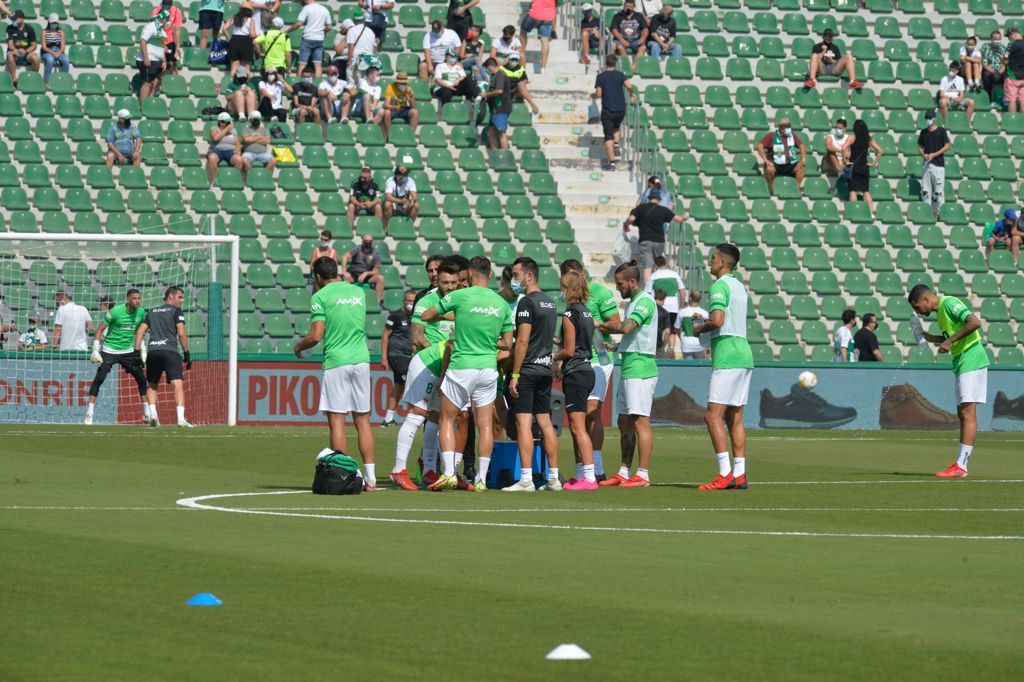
(198, 503)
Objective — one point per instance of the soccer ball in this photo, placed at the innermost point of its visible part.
(807, 380)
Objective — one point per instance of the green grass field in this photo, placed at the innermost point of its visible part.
(894, 574)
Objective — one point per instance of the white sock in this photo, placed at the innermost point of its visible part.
(552, 473)
(458, 461)
(624, 471)
(371, 473)
(406, 435)
(642, 473)
(739, 466)
(482, 465)
(598, 463)
(180, 409)
(389, 416)
(526, 475)
(588, 472)
(965, 455)
(145, 410)
(430, 446)
(448, 461)
(91, 409)
(579, 470)
(723, 463)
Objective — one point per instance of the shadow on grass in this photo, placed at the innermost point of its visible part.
(283, 487)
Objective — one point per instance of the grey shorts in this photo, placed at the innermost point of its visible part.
(258, 157)
(830, 69)
(649, 251)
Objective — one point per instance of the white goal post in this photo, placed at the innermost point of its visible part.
(44, 384)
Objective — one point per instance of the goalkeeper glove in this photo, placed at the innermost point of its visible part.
(187, 358)
(95, 358)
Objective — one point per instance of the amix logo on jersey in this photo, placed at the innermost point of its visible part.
(484, 310)
(354, 300)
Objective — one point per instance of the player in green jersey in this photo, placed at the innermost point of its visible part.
(339, 320)
(961, 337)
(114, 344)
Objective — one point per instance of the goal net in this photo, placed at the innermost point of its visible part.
(54, 293)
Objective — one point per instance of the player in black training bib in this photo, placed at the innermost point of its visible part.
(166, 327)
(396, 351)
(529, 386)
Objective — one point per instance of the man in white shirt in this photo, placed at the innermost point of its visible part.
(952, 91)
(377, 15)
(71, 324)
(359, 40)
(150, 58)
(436, 44)
(368, 100)
(334, 95)
(694, 347)
(667, 279)
(315, 20)
(450, 79)
(400, 196)
(842, 341)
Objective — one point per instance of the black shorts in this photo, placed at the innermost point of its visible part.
(786, 169)
(399, 367)
(672, 317)
(365, 211)
(534, 395)
(240, 49)
(171, 52)
(163, 363)
(130, 362)
(150, 73)
(611, 121)
(577, 385)
(210, 20)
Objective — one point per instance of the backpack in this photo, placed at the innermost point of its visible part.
(336, 474)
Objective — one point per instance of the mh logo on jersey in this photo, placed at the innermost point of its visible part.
(485, 310)
(353, 300)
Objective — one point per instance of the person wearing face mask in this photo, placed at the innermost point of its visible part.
(272, 89)
(970, 64)
(367, 104)
(240, 97)
(22, 48)
(324, 248)
(400, 104)
(506, 45)
(663, 34)
(630, 30)
(361, 265)
(124, 142)
(150, 58)
(335, 97)
(275, 48)
(650, 219)
(225, 146)
(436, 44)
(240, 32)
(359, 41)
(833, 161)
(256, 145)
(783, 153)
(932, 144)
(470, 53)
(400, 196)
(54, 48)
(828, 59)
(396, 351)
(953, 93)
(993, 68)
(450, 79)
(364, 198)
(590, 33)
(304, 98)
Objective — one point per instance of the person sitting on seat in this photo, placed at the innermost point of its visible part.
(256, 145)
(124, 142)
(364, 198)
(367, 104)
(22, 48)
(436, 44)
(590, 33)
(361, 265)
(225, 147)
(400, 196)
(335, 95)
(450, 79)
(271, 102)
(1006, 234)
(783, 153)
(400, 104)
(304, 99)
(629, 32)
(834, 161)
(828, 59)
(516, 73)
(953, 93)
(239, 95)
(970, 64)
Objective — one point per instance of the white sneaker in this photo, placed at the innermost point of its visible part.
(553, 484)
(88, 420)
(154, 421)
(182, 424)
(520, 487)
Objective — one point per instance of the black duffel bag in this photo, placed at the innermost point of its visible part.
(337, 474)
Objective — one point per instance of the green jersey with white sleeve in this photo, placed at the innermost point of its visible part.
(639, 346)
(729, 346)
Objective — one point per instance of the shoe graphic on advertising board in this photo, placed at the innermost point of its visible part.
(903, 407)
(802, 409)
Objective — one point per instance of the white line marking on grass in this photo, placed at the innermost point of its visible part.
(618, 510)
(198, 503)
(16, 507)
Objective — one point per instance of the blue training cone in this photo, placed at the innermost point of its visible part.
(204, 599)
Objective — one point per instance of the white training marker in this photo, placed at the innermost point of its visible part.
(568, 652)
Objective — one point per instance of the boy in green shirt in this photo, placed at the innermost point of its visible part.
(116, 333)
(961, 336)
(339, 319)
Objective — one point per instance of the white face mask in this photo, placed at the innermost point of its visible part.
(408, 307)
(784, 131)
(953, 74)
(839, 132)
(929, 122)
(452, 60)
(307, 80)
(517, 286)
(271, 78)
(332, 79)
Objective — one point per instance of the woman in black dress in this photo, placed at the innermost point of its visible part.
(857, 147)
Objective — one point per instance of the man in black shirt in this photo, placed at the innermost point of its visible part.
(629, 30)
(529, 385)
(304, 98)
(608, 88)
(932, 145)
(499, 98)
(396, 351)
(361, 265)
(1013, 82)
(22, 48)
(590, 33)
(166, 327)
(865, 343)
(365, 199)
(650, 219)
(663, 34)
(828, 59)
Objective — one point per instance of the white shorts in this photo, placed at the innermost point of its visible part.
(972, 387)
(420, 386)
(346, 389)
(463, 387)
(602, 380)
(634, 396)
(730, 386)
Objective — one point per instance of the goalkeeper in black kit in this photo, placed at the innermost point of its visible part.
(166, 327)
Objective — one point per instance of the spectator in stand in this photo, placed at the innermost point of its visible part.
(364, 198)
(400, 104)
(256, 145)
(362, 266)
(172, 32)
(932, 145)
(783, 153)
(865, 343)
(970, 64)
(1006, 234)
(54, 48)
(335, 98)
(450, 79)
(315, 21)
(506, 45)
(650, 219)
(225, 146)
(630, 30)
(304, 99)
(540, 16)
(590, 33)
(499, 98)
(272, 88)
(71, 324)
(471, 52)
(459, 18)
(359, 42)
(211, 18)
(953, 93)
(828, 59)
(608, 88)
(124, 143)
(263, 13)
(377, 16)
(275, 48)
(516, 73)
(842, 340)
(239, 95)
(663, 322)
(662, 38)
(368, 102)
(22, 48)
(654, 183)
(240, 33)
(667, 280)
(396, 351)
(692, 347)
(993, 68)
(1013, 80)
(834, 160)
(400, 196)
(150, 58)
(33, 338)
(436, 44)
(324, 248)
(857, 147)
(341, 46)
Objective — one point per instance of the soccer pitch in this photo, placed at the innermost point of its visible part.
(846, 559)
